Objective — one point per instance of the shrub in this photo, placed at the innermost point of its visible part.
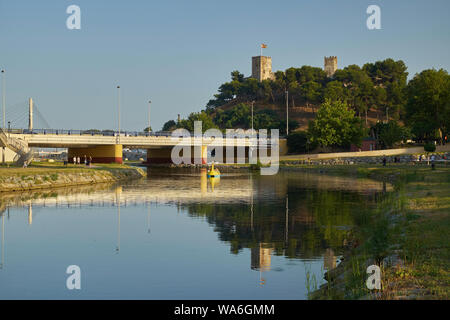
(430, 147)
(256, 166)
(297, 142)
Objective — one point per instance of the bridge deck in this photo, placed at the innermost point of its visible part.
(134, 142)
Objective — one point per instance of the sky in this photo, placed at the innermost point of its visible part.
(177, 53)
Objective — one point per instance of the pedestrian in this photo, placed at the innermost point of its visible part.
(384, 161)
(85, 160)
(90, 161)
(74, 160)
(78, 160)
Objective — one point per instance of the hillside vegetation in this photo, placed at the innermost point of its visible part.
(373, 93)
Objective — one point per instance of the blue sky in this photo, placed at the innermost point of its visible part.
(177, 53)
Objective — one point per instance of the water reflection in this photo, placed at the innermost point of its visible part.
(118, 191)
(3, 241)
(270, 222)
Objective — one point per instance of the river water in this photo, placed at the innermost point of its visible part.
(179, 235)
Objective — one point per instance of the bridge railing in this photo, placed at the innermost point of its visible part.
(110, 133)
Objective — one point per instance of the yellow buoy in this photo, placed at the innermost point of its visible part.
(213, 172)
(214, 181)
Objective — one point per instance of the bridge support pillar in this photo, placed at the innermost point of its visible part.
(159, 156)
(99, 154)
(164, 156)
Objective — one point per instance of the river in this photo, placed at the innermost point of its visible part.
(179, 235)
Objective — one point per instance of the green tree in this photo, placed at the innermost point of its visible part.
(359, 88)
(248, 89)
(311, 92)
(293, 124)
(148, 129)
(308, 73)
(335, 90)
(336, 126)
(297, 142)
(237, 76)
(202, 116)
(388, 134)
(428, 105)
(237, 117)
(390, 75)
(169, 126)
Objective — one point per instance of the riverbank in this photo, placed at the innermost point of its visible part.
(407, 236)
(54, 175)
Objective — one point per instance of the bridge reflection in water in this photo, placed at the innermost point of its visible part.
(184, 188)
(270, 216)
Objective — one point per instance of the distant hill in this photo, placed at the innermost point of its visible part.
(372, 91)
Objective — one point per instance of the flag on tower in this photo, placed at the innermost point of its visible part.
(263, 45)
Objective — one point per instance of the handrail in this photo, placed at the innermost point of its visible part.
(110, 133)
(18, 146)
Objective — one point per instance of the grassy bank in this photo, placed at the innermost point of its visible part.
(407, 236)
(50, 175)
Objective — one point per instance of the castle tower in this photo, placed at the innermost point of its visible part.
(330, 65)
(262, 68)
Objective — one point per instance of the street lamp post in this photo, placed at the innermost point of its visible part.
(149, 105)
(287, 112)
(4, 118)
(118, 108)
(253, 102)
(3, 98)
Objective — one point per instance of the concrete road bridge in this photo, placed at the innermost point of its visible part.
(107, 146)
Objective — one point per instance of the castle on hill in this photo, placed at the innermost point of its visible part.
(262, 67)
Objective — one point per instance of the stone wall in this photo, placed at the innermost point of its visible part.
(27, 179)
(410, 158)
(358, 154)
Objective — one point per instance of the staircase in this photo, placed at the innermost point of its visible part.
(24, 153)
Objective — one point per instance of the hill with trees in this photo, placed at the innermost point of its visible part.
(372, 93)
